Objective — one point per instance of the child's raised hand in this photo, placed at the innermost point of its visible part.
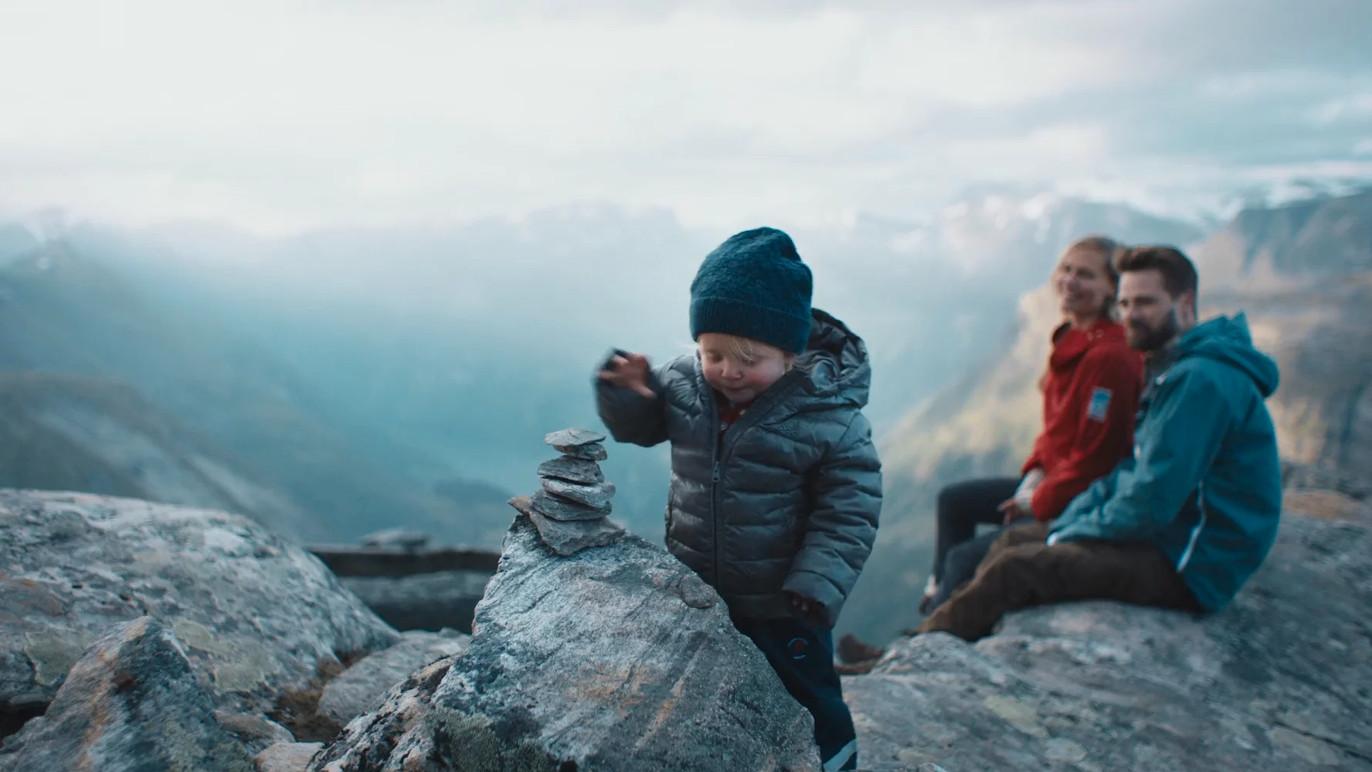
(630, 371)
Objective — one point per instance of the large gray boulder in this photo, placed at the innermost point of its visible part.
(130, 703)
(615, 658)
(1281, 679)
(257, 617)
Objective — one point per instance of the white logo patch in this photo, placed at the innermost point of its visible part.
(1099, 406)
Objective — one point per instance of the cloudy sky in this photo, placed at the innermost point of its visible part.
(279, 116)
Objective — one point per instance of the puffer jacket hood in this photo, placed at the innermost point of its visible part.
(787, 498)
(835, 364)
(1226, 339)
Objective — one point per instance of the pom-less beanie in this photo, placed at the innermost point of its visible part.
(754, 285)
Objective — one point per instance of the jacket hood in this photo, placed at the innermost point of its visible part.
(835, 362)
(1071, 344)
(1226, 339)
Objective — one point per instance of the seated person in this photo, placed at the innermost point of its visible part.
(1185, 521)
(1090, 394)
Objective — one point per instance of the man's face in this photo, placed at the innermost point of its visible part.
(1151, 317)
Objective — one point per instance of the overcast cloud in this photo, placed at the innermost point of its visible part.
(280, 116)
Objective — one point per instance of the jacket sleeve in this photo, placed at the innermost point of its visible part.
(1105, 396)
(632, 417)
(846, 489)
(1177, 443)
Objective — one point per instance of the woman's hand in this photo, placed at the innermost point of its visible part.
(630, 371)
(1012, 511)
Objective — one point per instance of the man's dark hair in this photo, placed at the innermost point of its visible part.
(1178, 274)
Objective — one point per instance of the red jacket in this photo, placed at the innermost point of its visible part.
(1090, 394)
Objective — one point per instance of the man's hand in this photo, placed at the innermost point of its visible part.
(1012, 511)
(808, 609)
(629, 371)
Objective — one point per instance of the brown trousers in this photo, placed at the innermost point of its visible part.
(1021, 570)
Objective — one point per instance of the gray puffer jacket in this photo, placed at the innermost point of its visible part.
(788, 498)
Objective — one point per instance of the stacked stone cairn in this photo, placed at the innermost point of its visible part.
(571, 510)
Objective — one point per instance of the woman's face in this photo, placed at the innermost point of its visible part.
(1082, 283)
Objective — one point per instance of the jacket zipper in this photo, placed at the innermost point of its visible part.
(717, 455)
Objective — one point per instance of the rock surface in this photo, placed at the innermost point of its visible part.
(362, 687)
(1282, 679)
(256, 616)
(131, 702)
(596, 660)
(286, 757)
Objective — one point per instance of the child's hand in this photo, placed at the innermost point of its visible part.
(629, 371)
(807, 609)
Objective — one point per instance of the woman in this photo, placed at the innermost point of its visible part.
(1090, 394)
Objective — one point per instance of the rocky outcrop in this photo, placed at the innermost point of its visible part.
(131, 702)
(617, 657)
(256, 616)
(361, 688)
(1277, 681)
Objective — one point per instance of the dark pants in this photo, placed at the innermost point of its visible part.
(961, 563)
(803, 657)
(1021, 570)
(961, 508)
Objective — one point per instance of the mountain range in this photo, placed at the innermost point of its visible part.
(341, 381)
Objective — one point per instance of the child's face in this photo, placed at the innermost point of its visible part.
(741, 375)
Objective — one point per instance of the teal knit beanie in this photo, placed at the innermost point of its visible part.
(754, 285)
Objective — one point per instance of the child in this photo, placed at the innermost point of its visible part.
(776, 486)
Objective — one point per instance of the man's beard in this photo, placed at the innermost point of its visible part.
(1144, 338)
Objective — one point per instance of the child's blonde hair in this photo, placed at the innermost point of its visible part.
(747, 349)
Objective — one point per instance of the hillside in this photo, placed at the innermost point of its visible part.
(70, 321)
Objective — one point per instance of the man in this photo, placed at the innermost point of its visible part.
(1185, 521)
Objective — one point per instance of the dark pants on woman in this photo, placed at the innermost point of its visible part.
(803, 656)
(958, 549)
(1021, 570)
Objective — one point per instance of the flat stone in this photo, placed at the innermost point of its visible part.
(396, 538)
(595, 496)
(568, 537)
(562, 509)
(594, 452)
(571, 469)
(569, 439)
